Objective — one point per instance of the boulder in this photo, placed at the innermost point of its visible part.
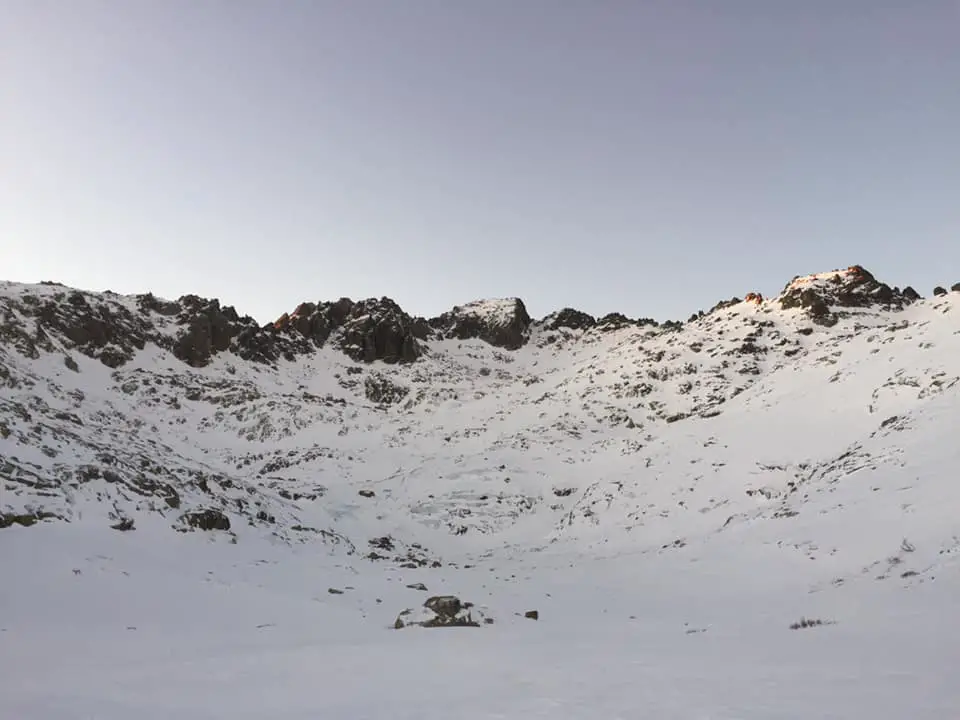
(939, 290)
(443, 611)
(955, 287)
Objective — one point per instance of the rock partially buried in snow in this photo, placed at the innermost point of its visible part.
(443, 611)
(501, 323)
(825, 295)
(208, 519)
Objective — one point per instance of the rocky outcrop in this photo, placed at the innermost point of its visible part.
(939, 290)
(382, 390)
(113, 328)
(94, 325)
(366, 331)
(826, 295)
(570, 319)
(208, 519)
(501, 323)
(443, 611)
(955, 287)
(616, 321)
(208, 329)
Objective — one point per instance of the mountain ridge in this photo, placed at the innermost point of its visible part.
(371, 329)
(138, 408)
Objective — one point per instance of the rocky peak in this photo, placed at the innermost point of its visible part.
(501, 323)
(113, 328)
(570, 319)
(825, 295)
(366, 331)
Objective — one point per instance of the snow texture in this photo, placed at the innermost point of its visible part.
(670, 501)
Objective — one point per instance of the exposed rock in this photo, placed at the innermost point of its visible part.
(501, 323)
(24, 519)
(418, 586)
(955, 287)
(366, 493)
(208, 519)
(910, 295)
(207, 330)
(382, 390)
(725, 304)
(939, 290)
(569, 318)
(366, 331)
(614, 321)
(532, 614)
(442, 611)
(824, 296)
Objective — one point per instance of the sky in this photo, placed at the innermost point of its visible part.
(647, 157)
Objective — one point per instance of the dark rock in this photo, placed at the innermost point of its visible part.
(444, 605)
(442, 611)
(24, 519)
(335, 591)
(382, 543)
(955, 287)
(70, 363)
(910, 295)
(367, 493)
(725, 304)
(824, 296)
(532, 615)
(939, 290)
(418, 586)
(501, 323)
(616, 321)
(208, 330)
(382, 390)
(569, 318)
(208, 519)
(125, 525)
(366, 331)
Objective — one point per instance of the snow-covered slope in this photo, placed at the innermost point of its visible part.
(656, 491)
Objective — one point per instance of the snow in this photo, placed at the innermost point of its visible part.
(819, 278)
(497, 312)
(666, 579)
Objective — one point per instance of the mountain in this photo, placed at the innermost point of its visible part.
(768, 458)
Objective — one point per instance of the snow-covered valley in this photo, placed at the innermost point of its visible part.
(203, 518)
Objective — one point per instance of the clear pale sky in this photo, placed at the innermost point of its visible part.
(649, 157)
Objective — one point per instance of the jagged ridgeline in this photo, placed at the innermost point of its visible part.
(339, 422)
